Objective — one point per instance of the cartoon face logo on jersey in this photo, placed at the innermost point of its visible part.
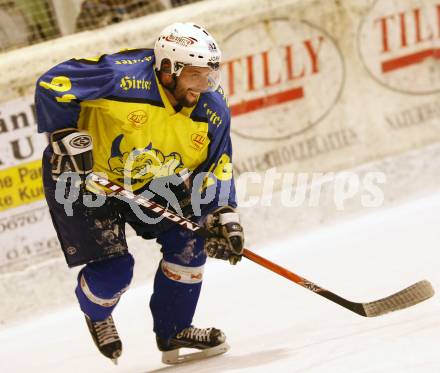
(142, 165)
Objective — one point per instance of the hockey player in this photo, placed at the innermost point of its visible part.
(139, 116)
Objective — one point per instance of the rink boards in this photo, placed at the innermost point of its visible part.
(313, 86)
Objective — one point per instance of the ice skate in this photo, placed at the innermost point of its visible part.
(209, 341)
(106, 337)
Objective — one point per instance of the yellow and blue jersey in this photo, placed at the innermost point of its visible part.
(136, 131)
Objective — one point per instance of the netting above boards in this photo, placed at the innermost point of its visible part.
(26, 22)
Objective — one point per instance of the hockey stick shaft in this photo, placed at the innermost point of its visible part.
(407, 297)
(355, 307)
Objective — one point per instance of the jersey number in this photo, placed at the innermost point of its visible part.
(60, 84)
(222, 170)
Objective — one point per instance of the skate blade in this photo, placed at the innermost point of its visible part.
(173, 357)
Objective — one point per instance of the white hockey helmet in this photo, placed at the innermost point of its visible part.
(187, 44)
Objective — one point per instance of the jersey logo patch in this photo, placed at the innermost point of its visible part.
(142, 165)
(198, 140)
(137, 118)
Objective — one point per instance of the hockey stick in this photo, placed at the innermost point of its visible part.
(405, 298)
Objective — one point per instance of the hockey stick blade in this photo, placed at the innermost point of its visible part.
(405, 298)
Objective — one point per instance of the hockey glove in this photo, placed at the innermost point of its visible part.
(228, 239)
(72, 152)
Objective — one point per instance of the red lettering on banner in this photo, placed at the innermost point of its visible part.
(250, 72)
(256, 79)
(290, 65)
(313, 53)
(267, 101)
(404, 41)
(412, 29)
(410, 59)
(438, 19)
(289, 71)
(384, 32)
(266, 71)
(231, 74)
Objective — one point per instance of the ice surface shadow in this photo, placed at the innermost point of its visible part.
(228, 362)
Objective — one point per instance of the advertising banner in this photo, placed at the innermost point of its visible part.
(26, 232)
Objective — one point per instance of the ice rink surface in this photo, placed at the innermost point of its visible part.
(274, 325)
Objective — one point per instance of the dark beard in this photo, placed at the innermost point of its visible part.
(179, 95)
(182, 100)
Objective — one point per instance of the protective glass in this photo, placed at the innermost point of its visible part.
(200, 79)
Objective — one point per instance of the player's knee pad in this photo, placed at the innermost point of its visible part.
(183, 248)
(104, 282)
(181, 273)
